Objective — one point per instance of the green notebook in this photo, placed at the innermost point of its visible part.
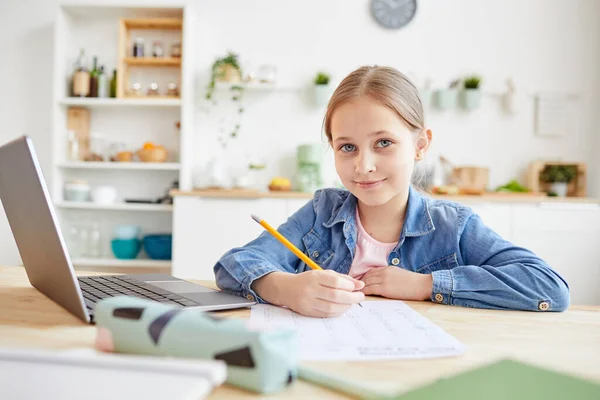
(504, 380)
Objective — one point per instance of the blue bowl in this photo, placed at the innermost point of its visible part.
(158, 247)
(125, 249)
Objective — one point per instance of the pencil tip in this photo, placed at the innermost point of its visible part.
(254, 217)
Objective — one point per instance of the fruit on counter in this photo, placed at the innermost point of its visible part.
(446, 189)
(512, 186)
(280, 184)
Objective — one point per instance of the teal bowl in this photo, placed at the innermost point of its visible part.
(158, 247)
(126, 249)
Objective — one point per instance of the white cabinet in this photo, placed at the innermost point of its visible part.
(567, 237)
(205, 228)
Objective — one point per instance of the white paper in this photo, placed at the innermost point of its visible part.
(380, 330)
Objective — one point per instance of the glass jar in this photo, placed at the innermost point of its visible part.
(172, 89)
(95, 241)
(153, 89)
(157, 49)
(176, 49)
(136, 89)
(138, 47)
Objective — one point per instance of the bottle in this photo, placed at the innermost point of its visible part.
(102, 84)
(138, 47)
(73, 147)
(81, 77)
(95, 241)
(113, 84)
(94, 79)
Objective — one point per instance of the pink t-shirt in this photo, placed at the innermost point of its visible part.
(369, 252)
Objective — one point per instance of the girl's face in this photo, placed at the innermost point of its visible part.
(374, 151)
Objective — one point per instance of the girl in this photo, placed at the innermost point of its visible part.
(381, 236)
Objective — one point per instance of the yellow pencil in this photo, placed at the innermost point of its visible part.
(286, 243)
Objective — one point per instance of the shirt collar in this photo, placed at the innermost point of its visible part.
(417, 221)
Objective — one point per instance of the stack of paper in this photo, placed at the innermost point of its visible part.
(380, 330)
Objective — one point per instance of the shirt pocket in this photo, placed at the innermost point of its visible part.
(317, 249)
(446, 262)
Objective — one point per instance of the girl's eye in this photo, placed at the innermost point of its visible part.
(384, 143)
(347, 148)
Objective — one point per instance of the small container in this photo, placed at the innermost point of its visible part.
(153, 89)
(138, 47)
(76, 190)
(172, 89)
(157, 49)
(176, 49)
(126, 232)
(159, 246)
(136, 89)
(126, 249)
(104, 194)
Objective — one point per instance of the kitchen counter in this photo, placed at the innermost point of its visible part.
(485, 198)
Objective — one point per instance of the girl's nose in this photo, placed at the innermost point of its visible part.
(365, 163)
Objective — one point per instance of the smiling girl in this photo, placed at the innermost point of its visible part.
(381, 236)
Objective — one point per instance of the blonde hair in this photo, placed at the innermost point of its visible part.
(390, 88)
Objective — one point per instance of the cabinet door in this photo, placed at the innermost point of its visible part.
(206, 228)
(567, 237)
(495, 216)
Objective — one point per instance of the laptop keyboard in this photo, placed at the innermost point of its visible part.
(96, 288)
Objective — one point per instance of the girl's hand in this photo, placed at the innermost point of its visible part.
(397, 283)
(311, 293)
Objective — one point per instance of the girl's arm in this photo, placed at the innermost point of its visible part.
(240, 267)
(498, 275)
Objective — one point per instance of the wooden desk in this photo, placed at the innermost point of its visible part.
(568, 342)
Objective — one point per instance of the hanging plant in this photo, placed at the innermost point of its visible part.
(227, 69)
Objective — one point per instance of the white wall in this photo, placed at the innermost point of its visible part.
(545, 45)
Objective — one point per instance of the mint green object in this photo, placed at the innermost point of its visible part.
(261, 361)
(507, 379)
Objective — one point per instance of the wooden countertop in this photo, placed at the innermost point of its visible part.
(485, 198)
(568, 342)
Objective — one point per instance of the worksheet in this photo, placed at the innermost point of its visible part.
(379, 330)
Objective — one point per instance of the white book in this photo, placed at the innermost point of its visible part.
(86, 374)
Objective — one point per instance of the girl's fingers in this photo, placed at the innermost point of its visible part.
(328, 309)
(340, 296)
(372, 289)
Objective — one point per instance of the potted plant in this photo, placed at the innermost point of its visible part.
(558, 176)
(446, 98)
(322, 89)
(224, 69)
(470, 97)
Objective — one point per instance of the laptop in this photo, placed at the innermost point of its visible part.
(35, 227)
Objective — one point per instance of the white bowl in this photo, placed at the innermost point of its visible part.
(76, 191)
(104, 194)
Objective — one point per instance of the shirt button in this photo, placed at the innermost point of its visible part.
(250, 297)
(315, 254)
(544, 305)
(439, 297)
(395, 261)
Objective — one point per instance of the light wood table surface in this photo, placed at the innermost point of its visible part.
(568, 342)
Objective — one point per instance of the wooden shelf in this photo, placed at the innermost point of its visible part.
(115, 262)
(153, 61)
(88, 205)
(153, 166)
(153, 23)
(138, 101)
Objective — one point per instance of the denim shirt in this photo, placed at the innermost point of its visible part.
(471, 265)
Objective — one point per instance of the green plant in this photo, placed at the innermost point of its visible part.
(322, 78)
(558, 173)
(472, 82)
(217, 71)
(237, 91)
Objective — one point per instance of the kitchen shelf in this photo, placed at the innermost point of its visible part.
(153, 23)
(114, 262)
(88, 205)
(152, 61)
(151, 166)
(148, 101)
(255, 86)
